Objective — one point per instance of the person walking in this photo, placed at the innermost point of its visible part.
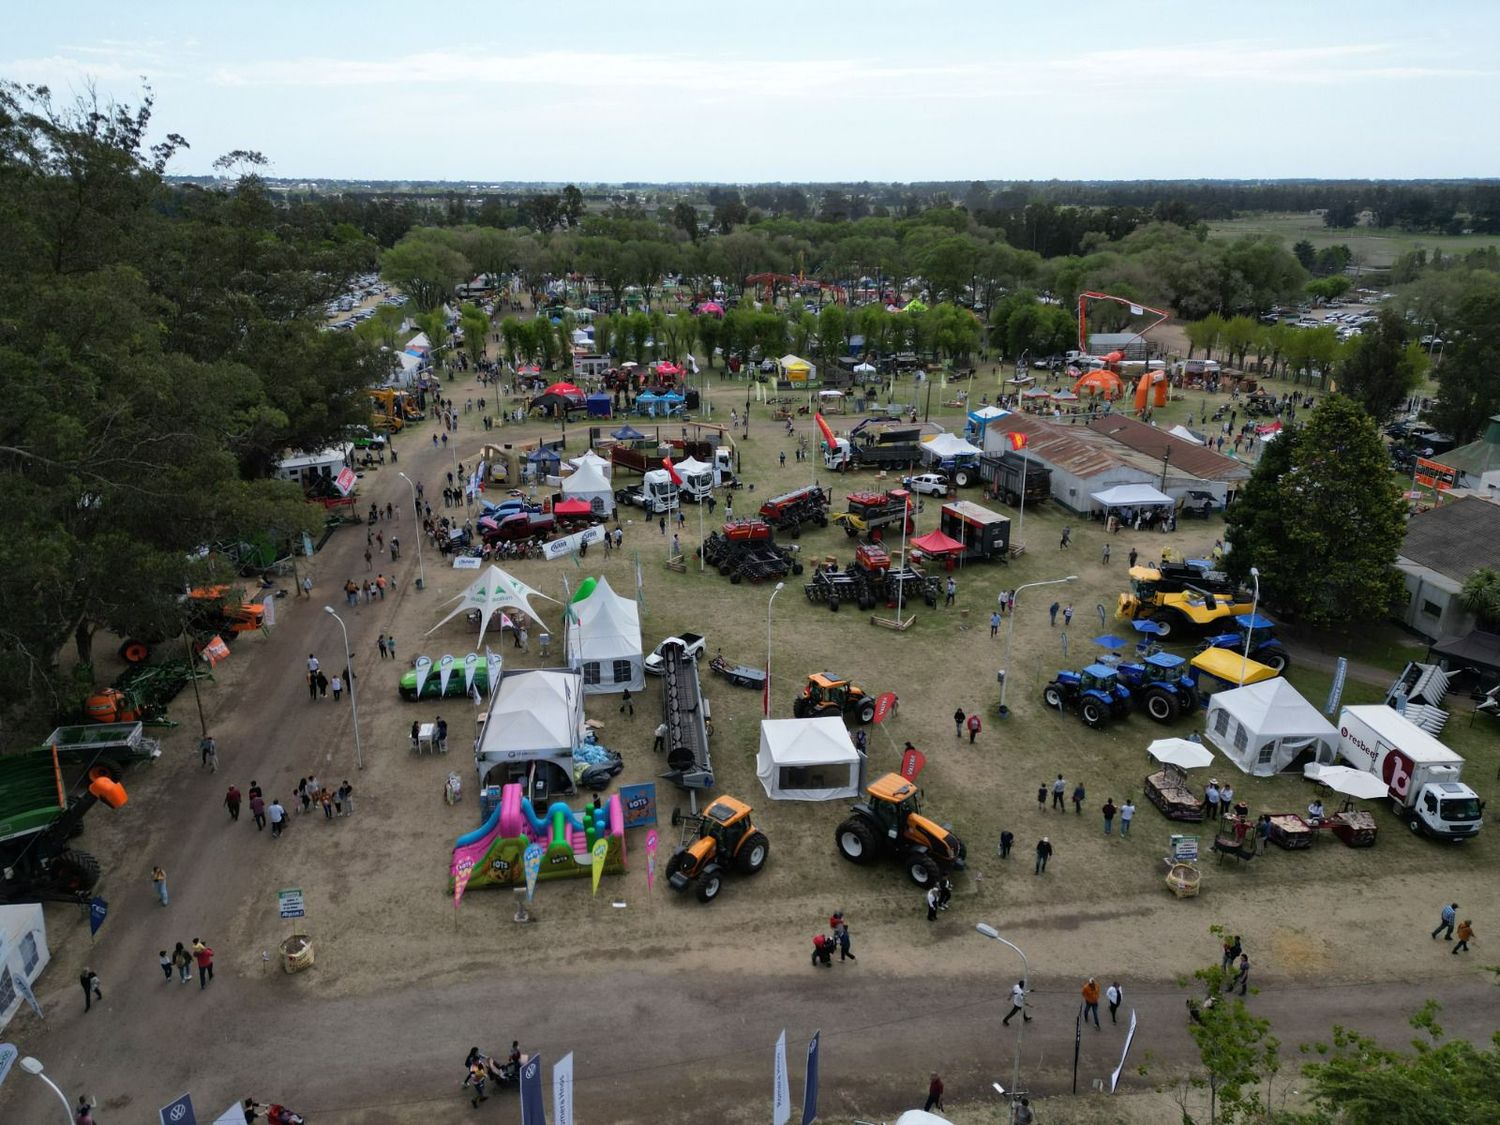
(1007, 841)
(312, 686)
(304, 588)
(322, 686)
(1059, 790)
(1132, 557)
(1127, 814)
(182, 960)
(258, 811)
(1115, 995)
(1109, 816)
(1068, 615)
(1043, 854)
(1465, 932)
(1242, 977)
(1041, 797)
(1067, 538)
(945, 892)
(1446, 921)
(1091, 1002)
(627, 704)
(994, 624)
(336, 685)
(476, 1080)
(934, 1093)
(89, 981)
(205, 958)
(974, 727)
(232, 803)
(841, 935)
(1052, 613)
(1104, 555)
(159, 881)
(1078, 799)
(381, 644)
(1232, 949)
(1017, 1003)
(659, 743)
(164, 959)
(278, 818)
(958, 723)
(932, 904)
(208, 752)
(348, 792)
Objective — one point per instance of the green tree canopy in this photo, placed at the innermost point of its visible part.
(1381, 368)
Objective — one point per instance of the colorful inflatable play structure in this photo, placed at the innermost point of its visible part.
(1149, 381)
(566, 837)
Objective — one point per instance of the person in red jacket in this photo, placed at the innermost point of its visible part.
(973, 727)
(934, 1094)
(205, 958)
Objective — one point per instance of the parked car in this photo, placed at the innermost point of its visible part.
(927, 484)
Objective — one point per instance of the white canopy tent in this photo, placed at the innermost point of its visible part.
(604, 642)
(589, 483)
(1267, 728)
(491, 592)
(589, 457)
(808, 759)
(1131, 496)
(950, 445)
(536, 715)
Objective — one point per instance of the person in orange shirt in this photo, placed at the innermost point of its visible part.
(1091, 1001)
(1465, 932)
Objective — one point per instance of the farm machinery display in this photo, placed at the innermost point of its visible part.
(871, 513)
(1178, 604)
(827, 694)
(684, 712)
(746, 550)
(1260, 631)
(1162, 686)
(789, 511)
(740, 675)
(889, 583)
(1095, 694)
(889, 822)
(722, 838)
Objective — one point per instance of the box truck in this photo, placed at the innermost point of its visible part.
(1424, 776)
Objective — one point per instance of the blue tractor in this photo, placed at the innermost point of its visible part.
(1096, 694)
(1163, 686)
(1261, 633)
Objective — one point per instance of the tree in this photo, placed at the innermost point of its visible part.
(685, 219)
(425, 265)
(1470, 372)
(1304, 252)
(1328, 288)
(1321, 518)
(1381, 368)
(1481, 597)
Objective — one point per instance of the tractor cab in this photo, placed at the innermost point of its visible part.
(1164, 668)
(1144, 581)
(872, 556)
(1256, 628)
(892, 800)
(1099, 677)
(726, 821)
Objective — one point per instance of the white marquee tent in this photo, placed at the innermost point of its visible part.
(1131, 496)
(589, 457)
(489, 594)
(590, 484)
(1267, 728)
(808, 759)
(604, 643)
(536, 715)
(950, 445)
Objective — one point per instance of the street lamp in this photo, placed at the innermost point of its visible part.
(993, 934)
(766, 703)
(1010, 633)
(1250, 633)
(421, 574)
(34, 1066)
(359, 757)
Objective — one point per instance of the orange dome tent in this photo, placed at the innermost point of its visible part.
(1149, 379)
(1102, 382)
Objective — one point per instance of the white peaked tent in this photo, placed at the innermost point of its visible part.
(604, 643)
(490, 593)
(808, 759)
(589, 457)
(949, 445)
(536, 715)
(1266, 728)
(1131, 496)
(589, 484)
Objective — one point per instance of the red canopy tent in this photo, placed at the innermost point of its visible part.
(572, 508)
(566, 390)
(937, 543)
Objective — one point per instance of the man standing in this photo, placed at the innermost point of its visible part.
(1091, 1002)
(1067, 535)
(1052, 613)
(958, 723)
(660, 743)
(1059, 790)
(1115, 995)
(1241, 978)
(1104, 555)
(1043, 854)
(278, 815)
(934, 1094)
(1447, 921)
(1211, 797)
(208, 751)
(974, 726)
(932, 903)
(1127, 814)
(626, 704)
(1068, 615)
(952, 590)
(1017, 1003)
(89, 981)
(159, 881)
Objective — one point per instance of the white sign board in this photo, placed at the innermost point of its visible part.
(290, 903)
(561, 548)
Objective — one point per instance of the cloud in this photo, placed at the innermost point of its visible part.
(61, 70)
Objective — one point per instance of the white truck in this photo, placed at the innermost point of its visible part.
(1424, 776)
(657, 494)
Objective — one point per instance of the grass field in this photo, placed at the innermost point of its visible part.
(1373, 249)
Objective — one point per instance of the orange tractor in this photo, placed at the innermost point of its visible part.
(725, 837)
(890, 823)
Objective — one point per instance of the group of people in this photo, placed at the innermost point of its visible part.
(181, 960)
(481, 1069)
(838, 936)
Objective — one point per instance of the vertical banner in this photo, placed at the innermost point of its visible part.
(912, 762)
(462, 869)
(1114, 1078)
(445, 669)
(765, 694)
(8, 1054)
(562, 1091)
(533, 1111)
(268, 603)
(810, 1089)
(471, 665)
(597, 855)
(884, 703)
(651, 842)
(98, 911)
(1336, 692)
(1077, 1044)
(423, 668)
(23, 987)
(781, 1093)
(531, 864)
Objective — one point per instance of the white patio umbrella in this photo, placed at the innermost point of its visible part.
(1347, 780)
(1181, 753)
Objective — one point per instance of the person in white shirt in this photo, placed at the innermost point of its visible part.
(1114, 994)
(1226, 799)
(1127, 814)
(1017, 1003)
(1211, 797)
(1315, 810)
(312, 663)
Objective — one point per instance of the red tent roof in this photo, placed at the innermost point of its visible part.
(567, 390)
(937, 543)
(572, 508)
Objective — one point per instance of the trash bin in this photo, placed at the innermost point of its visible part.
(297, 953)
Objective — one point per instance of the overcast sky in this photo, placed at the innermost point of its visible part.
(877, 90)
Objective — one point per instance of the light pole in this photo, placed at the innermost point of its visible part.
(993, 934)
(421, 574)
(34, 1066)
(771, 601)
(1250, 632)
(1010, 632)
(359, 757)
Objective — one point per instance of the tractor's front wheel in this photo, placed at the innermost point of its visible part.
(1161, 706)
(680, 864)
(923, 870)
(753, 853)
(1052, 695)
(1093, 713)
(708, 885)
(1274, 656)
(1166, 625)
(856, 841)
(867, 711)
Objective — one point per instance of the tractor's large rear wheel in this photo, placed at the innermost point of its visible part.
(1093, 713)
(1052, 695)
(708, 885)
(1189, 701)
(923, 870)
(801, 708)
(753, 853)
(1161, 705)
(74, 872)
(856, 841)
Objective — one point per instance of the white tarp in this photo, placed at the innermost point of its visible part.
(23, 950)
(1185, 434)
(1131, 496)
(1267, 727)
(808, 759)
(604, 642)
(950, 445)
(536, 714)
(491, 592)
(589, 483)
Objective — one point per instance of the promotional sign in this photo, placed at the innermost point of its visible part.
(1114, 1079)
(445, 673)
(345, 481)
(1184, 849)
(462, 869)
(1435, 475)
(290, 903)
(597, 855)
(467, 562)
(23, 986)
(912, 762)
(532, 1110)
(562, 1091)
(1077, 1045)
(651, 842)
(8, 1055)
(215, 651)
(180, 1111)
(569, 544)
(639, 802)
(531, 864)
(268, 604)
(885, 703)
(98, 911)
(423, 668)
(781, 1093)
(810, 1089)
(1336, 692)
(471, 665)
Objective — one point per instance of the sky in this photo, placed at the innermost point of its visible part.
(875, 90)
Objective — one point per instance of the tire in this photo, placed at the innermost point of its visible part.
(801, 708)
(724, 569)
(736, 578)
(680, 863)
(1013, 499)
(866, 711)
(851, 531)
(856, 841)
(135, 652)
(74, 872)
(1274, 656)
(1189, 701)
(1052, 695)
(961, 479)
(1166, 625)
(708, 885)
(796, 568)
(795, 531)
(1415, 824)
(833, 605)
(1093, 713)
(1161, 705)
(867, 602)
(753, 854)
(923, 870)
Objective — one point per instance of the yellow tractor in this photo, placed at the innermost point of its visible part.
(827, 694)
(890, 822)
(723, 836)
(1180, 606)
(387, 413)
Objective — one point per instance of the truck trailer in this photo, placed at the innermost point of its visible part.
(1424, 776)
(1010, 476)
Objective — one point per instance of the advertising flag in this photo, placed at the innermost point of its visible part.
(531, 864)
(471, 665)
(666, 463)
(810, 1088)
(885, 702)
(781, 1094)
(1114, 1078)
(462, 869)
(445, 670)
(597, 855)
(562, 1090)
(23, 986)
(912, 762)
(825, 429)
(8, 1055)
(423, 668)
(533, 1112)
(1017, 440)
(98, 911)
(651, 842)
